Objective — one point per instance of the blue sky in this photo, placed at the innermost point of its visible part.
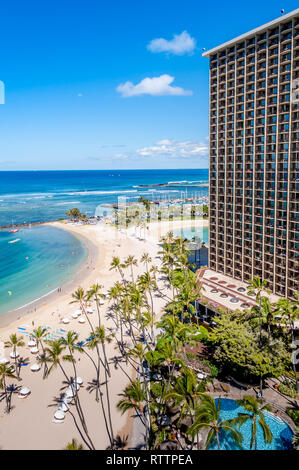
(66, 64)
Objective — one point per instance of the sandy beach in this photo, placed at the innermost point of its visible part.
(29, 425)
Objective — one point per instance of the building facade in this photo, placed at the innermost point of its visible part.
(254, 155)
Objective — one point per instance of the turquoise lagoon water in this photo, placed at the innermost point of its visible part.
(190, 232)
(282, 434)
(40, 262)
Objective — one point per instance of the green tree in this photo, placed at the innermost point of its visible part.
(207, 416)
(255, 408)
(73, 445)
(257, 287)
(288, 311)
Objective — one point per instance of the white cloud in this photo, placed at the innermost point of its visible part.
(156, 86)
(180, 44)
(170, 147)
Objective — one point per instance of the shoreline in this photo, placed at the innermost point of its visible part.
(30, 310)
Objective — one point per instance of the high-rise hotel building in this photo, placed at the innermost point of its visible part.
(254, 155)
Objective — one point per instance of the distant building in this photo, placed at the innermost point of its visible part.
(254, 155)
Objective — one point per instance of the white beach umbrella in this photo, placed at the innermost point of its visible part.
(4, 360)
(89, 310)
(78, 380)
(25, 391)
(65, 320)
(75, 386)
(105, 292)
(59, 415)
(31, 343)
(13, 354)
(35, 367)
(101, 302)
(34, 350)
(78, 312)
(74, 315)
(69, 392)
(200, 375)
(82, 320)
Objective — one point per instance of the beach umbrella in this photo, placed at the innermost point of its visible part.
(78, 380)
(89, 310)
(25, 391)
(78, 312)
(66, 320)
(101, 302)
(69, 392)
(34, 350)
(82, 320)
(75, 315)
(59, 415)
(31, 343)
(35, 367)
(75, 386)
(63, 406)
(13, 354)
(4, 360)
(105, 292)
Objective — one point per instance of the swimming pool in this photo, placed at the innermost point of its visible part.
(282, 433)
(190, 232)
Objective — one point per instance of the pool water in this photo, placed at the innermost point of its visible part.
(42, 260)
(282, 433)
(190, 232)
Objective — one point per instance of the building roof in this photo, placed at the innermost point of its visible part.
(251, 33)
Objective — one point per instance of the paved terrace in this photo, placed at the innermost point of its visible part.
(224, 291)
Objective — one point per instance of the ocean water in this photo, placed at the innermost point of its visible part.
(33, 196)
(46, 256)
(43, 259)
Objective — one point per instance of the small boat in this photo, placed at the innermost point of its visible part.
(14, 230)
(15, 241)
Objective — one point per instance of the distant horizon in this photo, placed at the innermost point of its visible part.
(110, 169)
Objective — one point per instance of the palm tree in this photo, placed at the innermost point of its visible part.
(15, 342)
(135, 398)
(146, 259)
(255, 408)
(130, 261)
(94, 293)
(266, 311)
(73, 445)
(207, 416)
(257, 287)
(185, 392)
(116, 264)
(6, 372)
